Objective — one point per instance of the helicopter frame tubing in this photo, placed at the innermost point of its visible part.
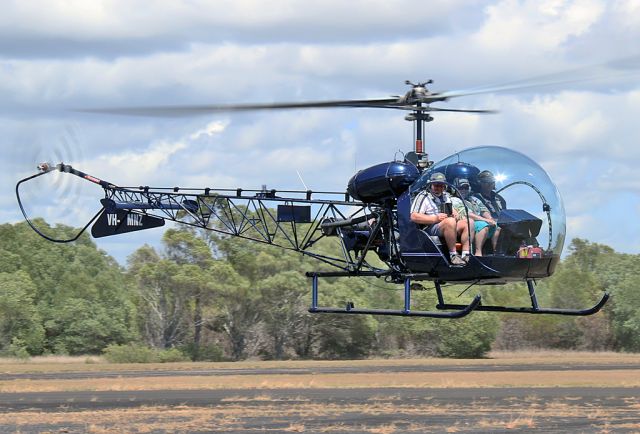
(246, 216)
(243, 214)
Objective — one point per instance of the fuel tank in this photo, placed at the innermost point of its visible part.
(382, 181)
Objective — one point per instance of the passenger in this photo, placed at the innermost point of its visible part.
(487, 195)
(426, 210)
(485, 226)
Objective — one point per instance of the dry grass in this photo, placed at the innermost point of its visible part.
(586, 378)
(559, 356)
(384, 429)
(95, 363)
(520, 422)
(238, 413)
(432, 418)
(52, 360)
(295, 427)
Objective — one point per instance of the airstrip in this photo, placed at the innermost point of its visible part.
(543, 392)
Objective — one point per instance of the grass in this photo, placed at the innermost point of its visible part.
(52, 360)
(382, 413)
(559, 356)
(498, 377)
(432, 417)
(96, 363)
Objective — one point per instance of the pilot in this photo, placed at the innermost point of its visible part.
(487, 195)
(485, 226)
(426, 211)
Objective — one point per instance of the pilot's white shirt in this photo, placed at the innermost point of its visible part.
(427, 203)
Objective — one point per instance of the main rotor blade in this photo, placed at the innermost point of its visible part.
(427, 108)
(192, 110)
(627, 66)
(438, 109)
(410, 101)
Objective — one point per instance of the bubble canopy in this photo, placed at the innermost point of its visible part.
(518, 179)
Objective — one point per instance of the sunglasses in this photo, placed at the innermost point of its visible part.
(464, 187)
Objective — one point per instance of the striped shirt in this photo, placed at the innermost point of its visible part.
(427, 203)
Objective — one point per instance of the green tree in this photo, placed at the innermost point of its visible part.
(194, 257)
(280, 295)
(626, 314)
(9, 262)
(346, 336)
(19, 318)
(579, 282)
(162, 303)
(82, 326)
(466, 337)
(65, 276)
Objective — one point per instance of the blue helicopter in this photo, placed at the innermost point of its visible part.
(371, 220)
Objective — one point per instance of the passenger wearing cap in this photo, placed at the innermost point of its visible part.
(485, 226)
(426, 210)
(487, 195)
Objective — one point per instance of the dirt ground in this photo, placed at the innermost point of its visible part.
(537, 392)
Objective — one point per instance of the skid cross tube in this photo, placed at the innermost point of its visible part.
(463, 310)
(534, 309)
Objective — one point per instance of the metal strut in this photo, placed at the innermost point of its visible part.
(535, 308)
(462, 310)
(295, 223)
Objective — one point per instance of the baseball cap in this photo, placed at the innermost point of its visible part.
(437, 177)
(486, 176)
(459, 182)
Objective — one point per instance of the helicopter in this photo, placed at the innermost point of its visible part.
(372, 217)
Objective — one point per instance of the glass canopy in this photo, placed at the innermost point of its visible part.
(519, 180)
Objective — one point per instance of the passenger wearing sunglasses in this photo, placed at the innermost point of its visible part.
(485, 226)
(427, 211)
(487, 194)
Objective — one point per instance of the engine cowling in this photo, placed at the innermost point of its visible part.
(382, 181)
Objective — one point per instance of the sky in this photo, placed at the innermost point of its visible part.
(58, 57)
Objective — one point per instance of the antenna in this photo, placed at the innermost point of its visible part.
(301, 180)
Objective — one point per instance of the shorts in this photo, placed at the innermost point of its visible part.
(480, 225)
(433, 230)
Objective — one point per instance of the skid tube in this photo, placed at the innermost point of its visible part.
(462, 310)
(534, 309)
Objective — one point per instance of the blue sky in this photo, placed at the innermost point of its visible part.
(60, 55)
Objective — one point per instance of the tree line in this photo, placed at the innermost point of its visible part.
(221, 298)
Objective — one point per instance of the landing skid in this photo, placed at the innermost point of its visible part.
(460, 311)
(456, 310)
(534, 309)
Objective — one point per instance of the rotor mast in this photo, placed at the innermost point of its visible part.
(420, 116)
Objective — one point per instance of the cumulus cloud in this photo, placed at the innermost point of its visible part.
(129, 167)
(536, 26)
(70, 54)
(113, 27)
(215, 127)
